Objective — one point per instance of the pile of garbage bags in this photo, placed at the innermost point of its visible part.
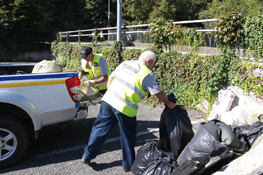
(180, 151)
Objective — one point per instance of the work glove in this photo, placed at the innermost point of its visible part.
(90, 83)
(80, 75)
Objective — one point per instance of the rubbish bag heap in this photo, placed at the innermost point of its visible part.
(181, 152)
(213, 145)
(159, 157)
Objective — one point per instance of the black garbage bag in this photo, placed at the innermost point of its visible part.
(253, 132)
(19, 72)
(175, 128)
(203, 144)
(162, 166)
(191, 166)
(3, 72)
(223, 133)
(248, 134)
(152, 160)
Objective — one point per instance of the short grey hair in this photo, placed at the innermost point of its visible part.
(146, 55)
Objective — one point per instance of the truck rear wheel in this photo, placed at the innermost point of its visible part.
(14, 140)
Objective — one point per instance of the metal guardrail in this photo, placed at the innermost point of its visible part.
(129, 33)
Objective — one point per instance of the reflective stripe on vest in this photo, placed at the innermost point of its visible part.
(125, 91)
(95, 73)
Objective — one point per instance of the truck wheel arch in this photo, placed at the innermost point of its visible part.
(21, 103)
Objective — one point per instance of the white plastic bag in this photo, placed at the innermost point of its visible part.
(47, 66)
(222, 104)
(235, 117)
(254, 117)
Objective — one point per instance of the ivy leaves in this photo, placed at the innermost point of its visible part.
(164, 33)
(254, 33)
(230, 31)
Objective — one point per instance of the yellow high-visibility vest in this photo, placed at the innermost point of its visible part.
(94, 73)
(125, 91)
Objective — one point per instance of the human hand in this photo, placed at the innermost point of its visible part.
(90, 83)
(171, 105)
(80, 75)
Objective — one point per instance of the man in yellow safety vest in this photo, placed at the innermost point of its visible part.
(94, 67)
(127, 85)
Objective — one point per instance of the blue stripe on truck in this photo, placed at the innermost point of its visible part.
(37, 76)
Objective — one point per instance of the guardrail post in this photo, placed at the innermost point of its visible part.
(67, 37)
(79, 34)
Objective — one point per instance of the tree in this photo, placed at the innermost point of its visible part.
(137, 12)
(70, 15)
(145, 11)
(216, 8)
(97, 13)
(24, 25)
(164, 9)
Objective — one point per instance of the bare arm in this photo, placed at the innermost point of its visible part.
(162, 97)
(110, 80)
(101, 79)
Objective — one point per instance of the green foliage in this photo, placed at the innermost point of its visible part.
(137, 12)
(236, 30)
(230, 31)
(164, 33)
(97, 12)
(216, 8)
(163, 9)
(67, 54)
(114, 55)
(250, 7)
(24, 26)
(254, 36)
(145, 11)
(159, 33)
(131, 54)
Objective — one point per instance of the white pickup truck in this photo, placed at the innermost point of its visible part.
(28, 102)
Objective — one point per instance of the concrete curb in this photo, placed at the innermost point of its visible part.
(251, 163)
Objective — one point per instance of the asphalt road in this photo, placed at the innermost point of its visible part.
(59, 149)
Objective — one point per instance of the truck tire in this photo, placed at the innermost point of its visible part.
(14, 140)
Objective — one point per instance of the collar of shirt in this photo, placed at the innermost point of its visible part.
(143, 62)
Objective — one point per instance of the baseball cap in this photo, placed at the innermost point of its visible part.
(85, 51)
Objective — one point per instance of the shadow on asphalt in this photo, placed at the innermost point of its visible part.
(54, 138)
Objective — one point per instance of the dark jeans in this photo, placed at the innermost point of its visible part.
(107, 118)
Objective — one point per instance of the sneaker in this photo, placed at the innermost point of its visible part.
(85, 161)
(126, 169)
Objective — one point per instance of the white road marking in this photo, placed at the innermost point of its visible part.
(60, 151)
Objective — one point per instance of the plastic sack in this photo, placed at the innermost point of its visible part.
(253, 117)
(175, 129)
(203, 144)
(222, 104)
(223, 133)
(253, 132)
(3, 72)
(191, 166)
(47, 66)
(258, 141)
(235, 117)
(162, 166)
(152, 160)
(249, 134)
